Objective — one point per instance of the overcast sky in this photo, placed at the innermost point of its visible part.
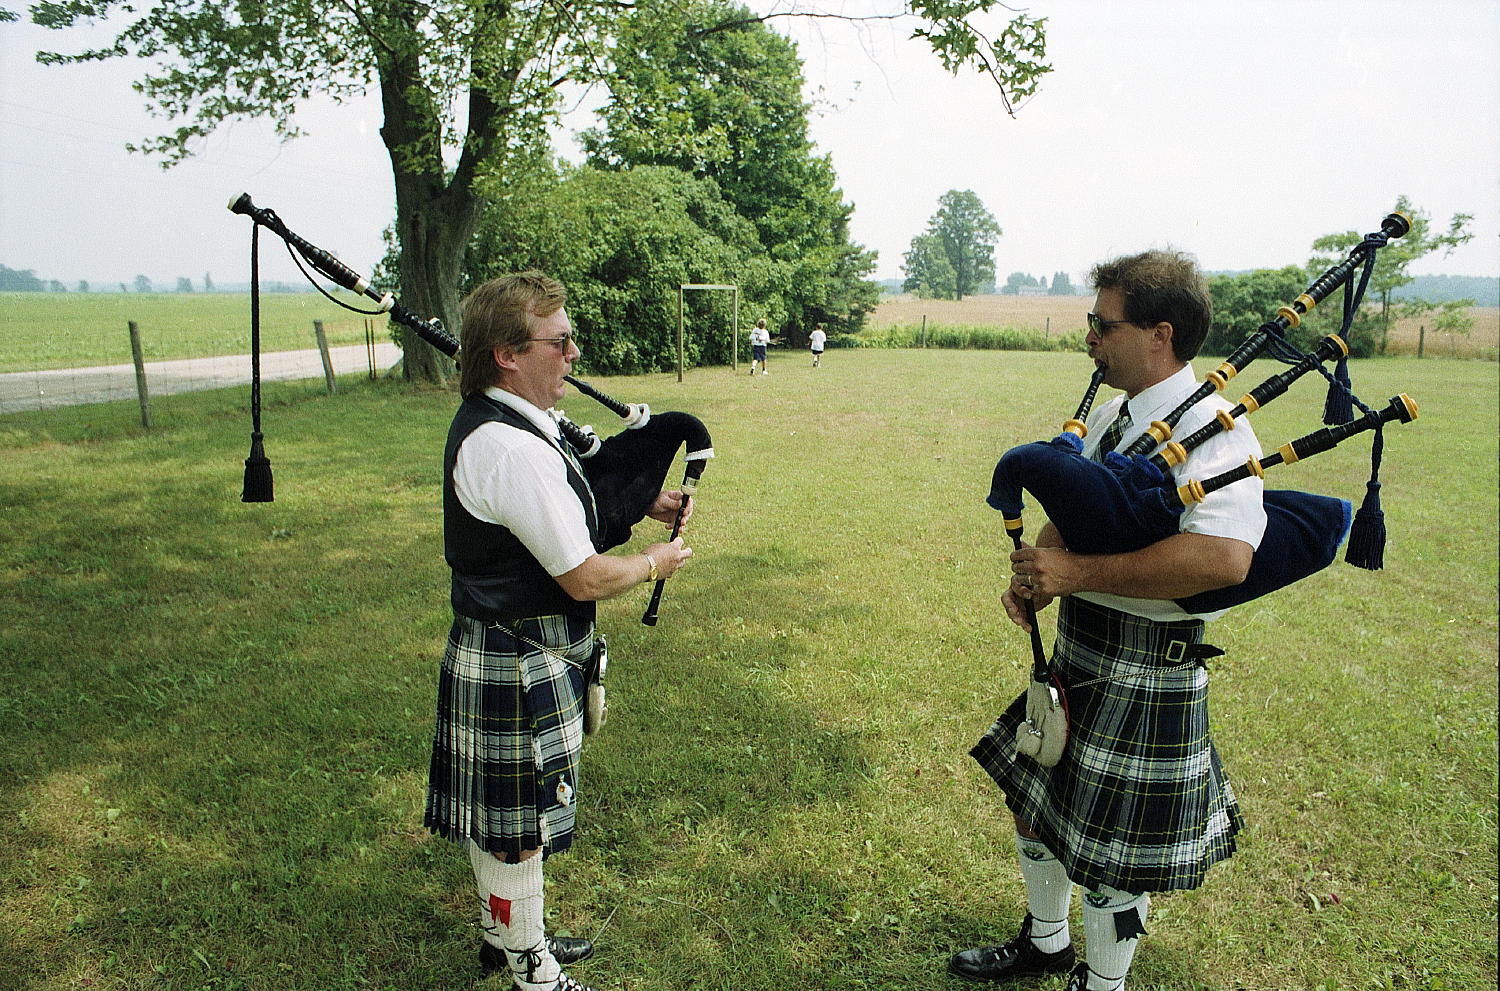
(1239, 131)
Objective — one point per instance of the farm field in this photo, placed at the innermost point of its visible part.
(40, 331)
(1066, 313)
(215, 717)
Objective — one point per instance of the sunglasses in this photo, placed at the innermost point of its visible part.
(1099, 325)
(561, 342)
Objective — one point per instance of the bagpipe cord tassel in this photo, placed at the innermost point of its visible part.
(259, 486)
(1367, 535)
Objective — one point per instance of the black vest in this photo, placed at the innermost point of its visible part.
(494, 576)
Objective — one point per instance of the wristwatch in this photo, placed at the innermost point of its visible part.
(651, 561)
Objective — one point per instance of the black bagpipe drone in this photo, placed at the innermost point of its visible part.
(625, 471)
(1129, 500)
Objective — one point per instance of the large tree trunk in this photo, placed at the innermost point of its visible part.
(433, 232)
(435, 212)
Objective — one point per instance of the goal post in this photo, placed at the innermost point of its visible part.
(734, 346)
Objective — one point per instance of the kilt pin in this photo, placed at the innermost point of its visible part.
(1140, 800)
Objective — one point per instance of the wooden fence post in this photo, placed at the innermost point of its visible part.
(140, 374)
(323, 350)
(1421, 338)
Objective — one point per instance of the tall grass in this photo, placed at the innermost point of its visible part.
(214, 716)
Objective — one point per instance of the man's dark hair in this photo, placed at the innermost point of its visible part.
(1161, 286)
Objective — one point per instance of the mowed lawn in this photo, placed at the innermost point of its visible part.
(215, 716)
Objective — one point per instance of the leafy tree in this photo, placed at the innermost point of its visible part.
(1245, 301)
(966, 234)
(1062, 285)
(1015, 281)
(83, 285)
(467, 86)
(184, 284)
(208, 282)
(1371, 329)
(727, 105)
(622, 242)
(929, 273)
(142, 284)
(12, 280)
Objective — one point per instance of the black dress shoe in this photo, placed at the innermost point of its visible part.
(565, 950)
(1018, 958)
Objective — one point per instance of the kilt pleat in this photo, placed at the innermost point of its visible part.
(1140, 800)
(509, 734)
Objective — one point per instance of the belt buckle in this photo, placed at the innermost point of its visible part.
(1176, 651)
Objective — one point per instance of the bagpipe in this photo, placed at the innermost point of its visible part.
(1128, 500)
(625, 471)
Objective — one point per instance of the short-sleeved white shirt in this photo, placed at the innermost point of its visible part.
(760, 335)
(818, 339)
(1234, 511)
(507, 476)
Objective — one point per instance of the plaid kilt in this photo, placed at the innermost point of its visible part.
(1139, 801)
(509, 734)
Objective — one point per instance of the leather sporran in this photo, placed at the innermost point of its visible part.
(595, 709)
(1044, 734)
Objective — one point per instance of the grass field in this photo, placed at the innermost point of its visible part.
(214, 717)
(1062, 314)
(41, 331)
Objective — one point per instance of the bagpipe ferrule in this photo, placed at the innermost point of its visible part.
(1160, 431)
(1288, 454)
(1191, 493)
(1013, 525)
(1292, 317)
(1253, 463)
(1220, 376)
(1225, 419)
(1250, 403)
(1306, 302)
(385, 303)
(1409, 404)
(1076, 427)
(1174, 454)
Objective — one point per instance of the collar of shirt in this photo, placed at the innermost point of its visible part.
(1160, 399)
(541, 418)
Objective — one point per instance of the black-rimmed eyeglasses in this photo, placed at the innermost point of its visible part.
(1099, 325)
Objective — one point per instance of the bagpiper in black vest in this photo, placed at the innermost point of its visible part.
(494, 576)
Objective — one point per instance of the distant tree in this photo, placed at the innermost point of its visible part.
(966, 233)
(1453, 318)
(83, 285)
(1061, 285)
(208, 282)
(929, 273)
(1015, 281)
(1371, 330)
(54, 285)
(12, 280)
(142, 284)
(184, 284)
(122, 288)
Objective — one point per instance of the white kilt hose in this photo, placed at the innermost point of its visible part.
(1139, 801)
(509, 734)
